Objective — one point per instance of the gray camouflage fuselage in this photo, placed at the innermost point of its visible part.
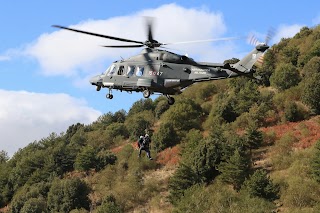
(160, 71)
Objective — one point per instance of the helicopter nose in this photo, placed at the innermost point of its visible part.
(94, 80)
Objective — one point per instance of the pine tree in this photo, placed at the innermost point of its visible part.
(253, 137)
(260, 185)
(235, 170)
(183, 178)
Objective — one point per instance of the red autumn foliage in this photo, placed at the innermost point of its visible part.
(307, 132)
(169, 156)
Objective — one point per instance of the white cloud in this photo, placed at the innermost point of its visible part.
(286, 31)
(68, 53)
(27, 116)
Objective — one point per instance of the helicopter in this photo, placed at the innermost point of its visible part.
(157, 70)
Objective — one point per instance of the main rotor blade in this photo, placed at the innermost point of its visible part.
(124, 46)
(207, 40)
(270, 34)
(149, 21)
(99, 35)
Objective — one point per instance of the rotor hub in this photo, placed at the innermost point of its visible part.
(152, 43)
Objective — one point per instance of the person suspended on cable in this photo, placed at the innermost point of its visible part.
(145, 145)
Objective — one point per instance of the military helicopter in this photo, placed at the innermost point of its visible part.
(156, 70)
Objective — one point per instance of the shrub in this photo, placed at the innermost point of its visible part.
(281, 152)
(218, 197)
(140, 106)
(293, 112)
(312, 67)
(65, 195)
(260, 185)
(137, 124)
(86, 159)
(161, 107)
(311, 92)
(301, 192)
(165, 137)
(35, 205)
(109, 205)
(184, 115)
(285, 76)
(315, 164)
(105, 158)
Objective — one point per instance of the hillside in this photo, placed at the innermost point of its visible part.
(225, 146)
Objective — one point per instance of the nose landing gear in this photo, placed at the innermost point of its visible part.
(109, 95)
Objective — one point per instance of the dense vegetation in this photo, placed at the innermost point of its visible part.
(231, 159)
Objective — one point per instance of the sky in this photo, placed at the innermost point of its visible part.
(45, 71)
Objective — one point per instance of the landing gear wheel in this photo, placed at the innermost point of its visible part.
(109, 96)
(146, 93)
(171, 100)
(98, 88)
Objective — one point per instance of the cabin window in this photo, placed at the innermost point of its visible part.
(140, 71)
(121, 70)
(130, 71)
(111, 70)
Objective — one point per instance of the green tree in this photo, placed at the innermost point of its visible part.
(285, 76)
(86, 159)
(109, 205)
(312, 67)
(253, 137)
(120, 116)
(184, 115)
(105, 158)
(225, 108)
(3, 156)
(29, 195)
(137, 124)
(314, 51)
(205, 158)
(236, 169)
(291, 54)
(161, 107)
(68, 194)
(140, 106)
(311, 92)
(259, 184)
(192, 140)
(183, 178)
(34, 205)
(165, 137)
(73, 129)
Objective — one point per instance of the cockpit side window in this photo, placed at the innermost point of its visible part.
(121, 70)
(111, 70)
(140, 71)
(130, 71)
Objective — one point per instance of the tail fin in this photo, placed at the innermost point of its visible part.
(245, 64)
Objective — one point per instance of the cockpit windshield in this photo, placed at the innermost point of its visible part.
(111, 70)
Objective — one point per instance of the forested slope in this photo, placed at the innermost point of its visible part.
(224, 146)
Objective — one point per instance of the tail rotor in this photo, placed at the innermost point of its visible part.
(252, 39)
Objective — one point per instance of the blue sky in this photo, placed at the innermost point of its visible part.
(44, 71)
